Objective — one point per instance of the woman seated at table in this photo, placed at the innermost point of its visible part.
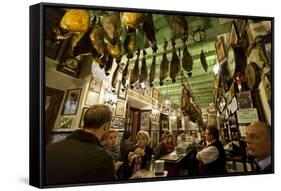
(139, 156)
(160, 149)
(170, 146)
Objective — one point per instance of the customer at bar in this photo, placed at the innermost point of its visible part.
(170, 146)
(80, 158)
(125, 145)
(111, 144)
(212, 159)
(258, 140)
(140, 155)
(160, 149)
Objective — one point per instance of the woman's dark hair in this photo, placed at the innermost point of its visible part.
(214, 132)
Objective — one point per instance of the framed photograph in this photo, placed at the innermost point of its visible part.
(69, 69)
(122, 93)
(81, 122)
(244, 100)
(234, 35)
(247, 39)
(120, 108)
(220, 49)
(95, 85)
(118, 123)
(156, 94)
(71, 101)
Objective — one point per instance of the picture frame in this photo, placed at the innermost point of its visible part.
(81, 122)
(220, 49)
(71, 101)
(156, 94)
(118, 123)
(65, 123)
(122, 95)
(95, 85)
(120, 108)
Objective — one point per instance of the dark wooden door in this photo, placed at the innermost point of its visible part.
(53, 100)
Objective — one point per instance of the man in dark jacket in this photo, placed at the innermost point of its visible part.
(212, 159)
(80, 158)
(258, 139)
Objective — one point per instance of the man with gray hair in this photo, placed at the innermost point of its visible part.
(258, 139)
(80, 158)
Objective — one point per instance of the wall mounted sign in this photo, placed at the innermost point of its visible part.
(249, 115)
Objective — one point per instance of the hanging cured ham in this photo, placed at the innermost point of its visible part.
(114, 50)
(144, 72)
(135, 72)
(130, 44)
(76, 20)
(203, 61)
(97, 38)
(185, 101)
(112, 26)
(115, 77)
(164, 66)
(187, 62)
(152, 70)
(125, 76)
(179, 25)
(148, 28)
(175, 63)
(131, 20)
(84, 46)
(108, 65)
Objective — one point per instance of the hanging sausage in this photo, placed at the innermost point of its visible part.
(112, 26)
(135, 72)
(175, 63)
(152, 70)
(179, 25)
(144, 72)
(187, 62)
(125, 76)
(130, 43)
(164, 66)
(148, 28)
(203, 61)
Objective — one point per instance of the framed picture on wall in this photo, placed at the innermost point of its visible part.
(247, 39)
(155, 94)
(95, 85)
(71, 101)
(234, 35)
(118, 123)
(122, 93)
(220, 49)
(120, 108)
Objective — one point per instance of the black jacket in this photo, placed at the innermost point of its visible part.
(216, 167)
(78, 159)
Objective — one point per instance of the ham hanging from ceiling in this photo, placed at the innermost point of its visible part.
(187, 62)
(149, 29)
(185, 101)
(144, 72)
(152, 70)
(108, 65)
(175, 63)
(203, 61)
(125, 75)
(164, 66)
(112, 26)
(114, 50)
(115, 77)
(178, 25)
(131, 20)
(135, 72)
(130, 43)
(97, 38)
(76, 20)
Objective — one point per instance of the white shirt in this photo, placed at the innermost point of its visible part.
(265, 162)
(208, 154)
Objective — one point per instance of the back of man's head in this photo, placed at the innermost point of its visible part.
(96, 116)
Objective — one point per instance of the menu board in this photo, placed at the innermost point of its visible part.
(247, 115)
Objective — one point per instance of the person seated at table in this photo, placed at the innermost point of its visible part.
(212, 159)
(140, 155)
(111, 144)
(160, 149)
(125, 145)
(170, 146)
(203, 142)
